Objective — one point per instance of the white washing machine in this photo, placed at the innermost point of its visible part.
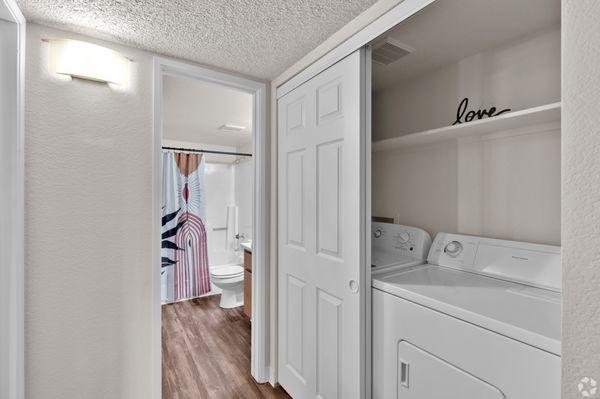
(480, 319)
(397, 245)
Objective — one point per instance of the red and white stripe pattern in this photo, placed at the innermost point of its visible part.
(191, 274)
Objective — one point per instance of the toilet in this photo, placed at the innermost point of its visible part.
(230, 279)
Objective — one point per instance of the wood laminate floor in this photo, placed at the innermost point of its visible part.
(206, 353)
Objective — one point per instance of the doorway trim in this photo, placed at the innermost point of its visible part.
(12, 308)
(260, 271)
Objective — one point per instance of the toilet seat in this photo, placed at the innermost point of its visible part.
(227, 271)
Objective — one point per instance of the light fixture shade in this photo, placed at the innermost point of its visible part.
(87, 61)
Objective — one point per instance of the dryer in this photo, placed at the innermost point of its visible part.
(480, 319)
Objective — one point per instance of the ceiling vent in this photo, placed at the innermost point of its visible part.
(389, 51)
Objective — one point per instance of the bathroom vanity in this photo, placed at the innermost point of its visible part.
(248, 282)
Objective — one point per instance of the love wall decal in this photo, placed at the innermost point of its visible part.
(479, 114)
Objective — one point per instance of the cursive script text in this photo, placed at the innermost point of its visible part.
(479, 114)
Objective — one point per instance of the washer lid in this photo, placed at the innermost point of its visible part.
(524, 313)
(227, 271)
(381, 259)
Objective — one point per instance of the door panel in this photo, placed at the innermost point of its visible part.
(295, 198)
(295, 326)
(329, 101)
(329, 188)
(321, 277)
(295, 115)
(329, 312)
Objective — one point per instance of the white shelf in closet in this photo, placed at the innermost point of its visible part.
(512, 120)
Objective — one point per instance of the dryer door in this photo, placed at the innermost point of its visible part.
(422, 375)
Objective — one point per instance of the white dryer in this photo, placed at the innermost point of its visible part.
(397, 245)
(480, 320)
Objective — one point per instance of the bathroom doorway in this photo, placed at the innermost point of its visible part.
(209, 207)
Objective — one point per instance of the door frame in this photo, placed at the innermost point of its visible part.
(12, 336)
(347, 43)
(260, 268)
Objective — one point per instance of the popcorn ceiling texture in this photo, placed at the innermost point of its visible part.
(259, 38)
(581, 194)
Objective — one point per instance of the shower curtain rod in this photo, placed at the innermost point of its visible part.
(239, 154)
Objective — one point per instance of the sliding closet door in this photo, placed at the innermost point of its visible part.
(322, 292)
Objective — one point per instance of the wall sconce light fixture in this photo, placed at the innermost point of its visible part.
(87, 61)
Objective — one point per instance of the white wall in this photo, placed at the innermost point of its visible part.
(503, 185)
(581, 194)
(88, 231)
(417, 187)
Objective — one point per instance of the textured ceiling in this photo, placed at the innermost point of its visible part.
(259, 38)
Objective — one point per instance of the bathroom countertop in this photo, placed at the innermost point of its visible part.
(247, 246)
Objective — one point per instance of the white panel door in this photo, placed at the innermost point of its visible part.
(322, 198)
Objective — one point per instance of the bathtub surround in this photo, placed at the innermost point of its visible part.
(244, 192)
(232, 228)
(220, 193)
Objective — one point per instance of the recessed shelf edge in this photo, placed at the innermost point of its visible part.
(512, 120)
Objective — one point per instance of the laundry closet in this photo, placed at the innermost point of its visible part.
(419, 200)
(466, 202)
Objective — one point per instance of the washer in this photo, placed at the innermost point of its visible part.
(480, 319)
(395, 245)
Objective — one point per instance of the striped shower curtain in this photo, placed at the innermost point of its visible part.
(184, 254)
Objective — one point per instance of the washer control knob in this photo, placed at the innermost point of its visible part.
(403, 237)
(453, 248)
(377, 233)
